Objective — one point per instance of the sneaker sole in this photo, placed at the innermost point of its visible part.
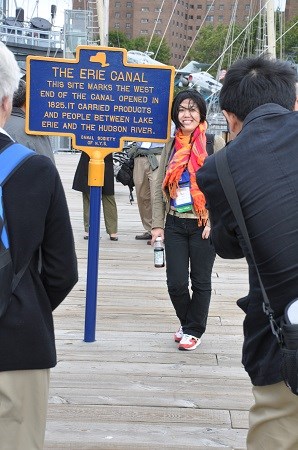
(191, 348)
(177, 339)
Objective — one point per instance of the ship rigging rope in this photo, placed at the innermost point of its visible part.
(156, 22)
(230, 29)
(244, 29)
(287, 31)
(155, 56)
(210, 6)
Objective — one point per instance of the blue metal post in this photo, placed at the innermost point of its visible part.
(92, 267)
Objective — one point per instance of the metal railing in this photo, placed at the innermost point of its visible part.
(30, 36)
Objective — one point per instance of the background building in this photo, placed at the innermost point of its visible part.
(178, 20)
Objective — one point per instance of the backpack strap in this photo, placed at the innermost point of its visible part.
(12, 157)
(210, 143)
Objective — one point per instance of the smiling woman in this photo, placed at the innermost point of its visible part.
(181, 218)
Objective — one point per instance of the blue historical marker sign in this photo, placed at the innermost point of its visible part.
(98, 98)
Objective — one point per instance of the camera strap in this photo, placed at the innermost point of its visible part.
(227, 182)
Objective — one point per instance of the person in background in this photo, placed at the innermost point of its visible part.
(15, 126)
(257, 99)
(41, 238)
(146, 160)
(80, 183)
(181, 219)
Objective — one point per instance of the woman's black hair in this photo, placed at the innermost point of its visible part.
(195, 97)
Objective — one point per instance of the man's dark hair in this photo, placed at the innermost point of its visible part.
(19, 97)
(252, 82)
(195, 97)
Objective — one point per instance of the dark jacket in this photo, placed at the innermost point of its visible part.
(15, 127)
(264, 163)
(38, 219)
(80, 181)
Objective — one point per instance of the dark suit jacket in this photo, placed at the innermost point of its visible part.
(264, 163)
(37, 218)
(80, 181)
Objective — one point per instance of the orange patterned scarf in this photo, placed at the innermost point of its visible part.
(190, 154)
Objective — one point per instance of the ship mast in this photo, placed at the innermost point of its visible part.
(103, 21)
(271, 30)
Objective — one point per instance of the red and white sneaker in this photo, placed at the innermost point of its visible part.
(189, 342)
(178, 335)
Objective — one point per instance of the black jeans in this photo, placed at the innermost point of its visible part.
(185, 247)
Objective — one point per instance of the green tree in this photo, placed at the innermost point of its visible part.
(291, 39)
(118, 39)
(210, 44)
(160, 50)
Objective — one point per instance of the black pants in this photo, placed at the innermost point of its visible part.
(187, 254)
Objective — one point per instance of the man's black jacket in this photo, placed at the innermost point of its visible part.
(264, 163)
(37, 218)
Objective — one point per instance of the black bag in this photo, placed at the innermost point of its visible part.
(287, 332)
(125, 174)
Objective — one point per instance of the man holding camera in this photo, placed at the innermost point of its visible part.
(258, 98)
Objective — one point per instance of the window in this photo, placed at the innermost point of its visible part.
(209, 7)
(117, 15)
(157, 21)
(209, 18)
(221, 7)
(117, 25)
(190, 27)
(144, 9)
(199, 7)
(127, 25)
(129, 5)
(128, 15)
(220, 18)
(144, 20)
(117, 4)
(144, 31)
(199, 17)
(247, 7)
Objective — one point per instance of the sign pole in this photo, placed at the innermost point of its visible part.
(95, 181)
(92, 265)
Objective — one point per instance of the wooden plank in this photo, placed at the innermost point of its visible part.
(132, 388)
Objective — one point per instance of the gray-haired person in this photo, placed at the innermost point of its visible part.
(38, 223)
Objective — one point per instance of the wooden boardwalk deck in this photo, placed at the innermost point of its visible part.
(132, 388)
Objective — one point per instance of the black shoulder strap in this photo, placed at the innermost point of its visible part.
(210, 143)
(227, 182)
